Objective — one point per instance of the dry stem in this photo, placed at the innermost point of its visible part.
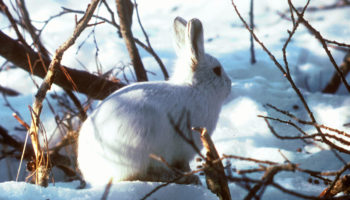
(125, 10)
(41, 170)
(215, 173)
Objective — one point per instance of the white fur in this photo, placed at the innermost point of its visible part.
(133, 122)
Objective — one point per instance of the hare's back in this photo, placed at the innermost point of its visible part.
(142, 103)
(162, 96)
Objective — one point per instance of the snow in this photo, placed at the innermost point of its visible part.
(239, 130)
(122, 190)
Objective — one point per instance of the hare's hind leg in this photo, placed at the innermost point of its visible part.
(184, 167)
(155, 174)
(176, 173)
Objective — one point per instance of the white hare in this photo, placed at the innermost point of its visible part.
(134, 122)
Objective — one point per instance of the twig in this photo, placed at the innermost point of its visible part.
(8, 104)
(250, 159)
(337, 4)
(318, 35)
(23, 123)
(82, 112)
(189, 140)
(335, 81)
(291, 33)
(331, 187)
(162, 160)
(268, 178)
(107, 189)
(291, 13)
(286, 122)
(341, 185)
(149, 46)
(89, 84)
(125, 10)
(290, 80)
(8, 91)
(343, 133)
(26, 151)
(175, 180)
(5, 10)
(159, 187)
(278, 65)
(30, 28)
(312, 136)
(42, 173)
(340, 44)
(137, 41)
(214, 172)
(251, 16)
(24, 145)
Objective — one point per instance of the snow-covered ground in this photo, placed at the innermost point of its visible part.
(239, 130)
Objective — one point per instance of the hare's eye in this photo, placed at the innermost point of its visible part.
(217, 70)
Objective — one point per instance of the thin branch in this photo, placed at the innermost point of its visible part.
(5, 10)
(189, 140)
(8, 91)
(335, 81)
(149, 46)
(251, 17)
(289, 78)
(30, 28)
(113, 22)
(159, 187)
(291, 34)
(329, 190)
(337, 4)
(322, 126)
(341, 44)
(107, 189)
(250, 159)
(82, 112)
(268, 178)
(318, 35)
(214, 170)
(125, 10)
(27, 59)
(162, 160)
(41, 170)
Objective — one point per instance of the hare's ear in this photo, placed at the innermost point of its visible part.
(179, 29)
(195, 39)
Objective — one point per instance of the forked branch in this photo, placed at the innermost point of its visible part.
(42, 171)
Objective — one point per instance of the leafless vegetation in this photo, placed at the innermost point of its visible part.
(336, 140)
(35, 59)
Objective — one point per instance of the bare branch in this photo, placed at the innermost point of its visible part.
(214, 171)
(125, 10)
(107, 189)
(335, 81)
(29, 60)
(318, 35)
(5, 10)
(268, 178)
(147, 47)
(41, 170)
(250, 159)
(30, 28)
(289, 78)
(8, 92)
(337, 185)
(322, 126)
(251, 17)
